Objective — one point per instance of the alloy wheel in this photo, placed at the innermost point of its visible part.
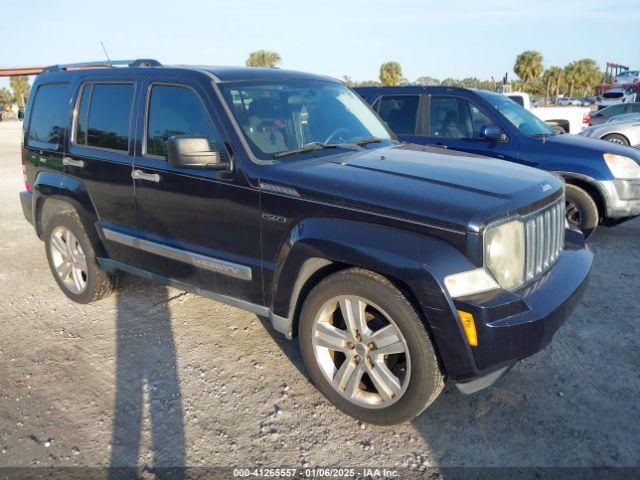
(361, 351)
(69, 260)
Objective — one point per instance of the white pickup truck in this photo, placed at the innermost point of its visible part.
(567, 119)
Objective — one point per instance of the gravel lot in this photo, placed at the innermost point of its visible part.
(155, 376)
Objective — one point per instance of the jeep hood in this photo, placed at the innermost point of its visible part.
(429, 185)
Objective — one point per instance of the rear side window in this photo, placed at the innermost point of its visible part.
(104, 115)
(48, 116)
(634, 107)
(175, 110)
(400, 112)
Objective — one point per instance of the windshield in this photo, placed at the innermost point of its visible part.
(613, 95)
(520, 118)
(282, 116)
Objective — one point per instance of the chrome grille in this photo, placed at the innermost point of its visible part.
(544, 239)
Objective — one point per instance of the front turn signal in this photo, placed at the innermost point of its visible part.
(469, 326)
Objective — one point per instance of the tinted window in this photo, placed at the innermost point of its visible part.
(616, 110)
(453, 117)
(176, 111)
(104, 115)
(634, 107)
(400, 112)
(48, 116)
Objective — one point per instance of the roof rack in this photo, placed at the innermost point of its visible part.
(141, 62)
(35, 70)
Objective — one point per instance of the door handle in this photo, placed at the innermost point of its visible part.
(440, 145)
(73, 163)
(149, 177)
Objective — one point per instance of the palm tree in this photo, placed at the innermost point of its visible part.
(263, 58)
(551, 79)
(589, 75)
(390, 73)
(571, 76)
(528, 66)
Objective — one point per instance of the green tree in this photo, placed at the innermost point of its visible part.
(450, 82)
(5, 96)
(528, 67)
(263, 58)
(390, 73)
(571, 77)
(552, 79)
(427, 81)
(589, 75)
(20, 87)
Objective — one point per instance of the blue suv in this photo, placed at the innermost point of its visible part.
(283, 193)
(603, 179)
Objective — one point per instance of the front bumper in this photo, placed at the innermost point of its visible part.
(622, 197)
(26, 200)
(515, 325)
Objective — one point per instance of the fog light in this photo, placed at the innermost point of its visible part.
(469, 327)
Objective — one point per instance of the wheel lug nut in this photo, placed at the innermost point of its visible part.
(356, 359)
(371, 345)
(350, 345)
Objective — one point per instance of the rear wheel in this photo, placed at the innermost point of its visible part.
(366, 349)
(72, 260)
(582, 211)
(616, 138)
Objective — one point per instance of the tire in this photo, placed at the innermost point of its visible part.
(73, 262)
(616, 138)
(582, 211)
(417, 378)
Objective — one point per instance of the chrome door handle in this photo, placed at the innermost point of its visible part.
(73, 163)
(149, 177)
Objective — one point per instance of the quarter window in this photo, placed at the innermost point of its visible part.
(175, 110)
(457, 118)
(48, 116)
(400, 112)
(104, 115)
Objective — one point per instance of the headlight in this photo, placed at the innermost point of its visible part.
(504, 253)
(621, 166)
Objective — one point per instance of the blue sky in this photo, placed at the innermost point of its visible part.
(437, 38)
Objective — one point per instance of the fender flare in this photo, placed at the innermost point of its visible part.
(417, 263)
(71, 191)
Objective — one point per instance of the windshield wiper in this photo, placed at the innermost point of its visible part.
(310, 147)
(367, 141)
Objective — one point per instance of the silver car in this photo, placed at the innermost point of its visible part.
(625, 131)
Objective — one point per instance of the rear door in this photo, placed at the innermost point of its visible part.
(200, 227)
(100, 155)
(401, 113)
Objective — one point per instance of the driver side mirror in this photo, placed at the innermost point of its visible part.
(194, 151)
(491, 133)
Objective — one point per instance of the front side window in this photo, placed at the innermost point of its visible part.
(175, 110)
(48, 116)
(522, 119)
(400, 112)
(280, 116)
(104, 115)
(456, 118)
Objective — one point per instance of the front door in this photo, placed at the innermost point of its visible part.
(198, 227)
(455, 122)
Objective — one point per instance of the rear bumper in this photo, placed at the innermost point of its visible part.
(622, 197)
(26, 200)
(515, 325)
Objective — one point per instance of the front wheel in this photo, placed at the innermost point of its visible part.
(366, 349)
(582, 211)
(616, 138)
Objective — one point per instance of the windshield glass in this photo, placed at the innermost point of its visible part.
(520, 118)
(281, 116)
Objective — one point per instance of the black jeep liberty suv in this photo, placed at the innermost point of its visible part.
(397, 266)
